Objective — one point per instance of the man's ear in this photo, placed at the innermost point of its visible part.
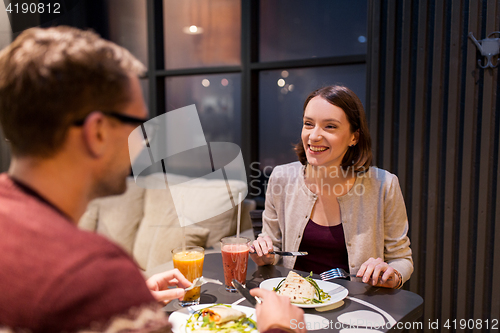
(94, 134)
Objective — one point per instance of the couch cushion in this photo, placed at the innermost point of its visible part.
(88, 221)
(160, 231)
(119, 216)
(145, 223)
(201, 200)
(220, 226)
(160, 253)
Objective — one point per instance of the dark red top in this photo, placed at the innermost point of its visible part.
(326, 248)
(55, 277)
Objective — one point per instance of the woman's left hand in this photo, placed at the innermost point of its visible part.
(377, 273)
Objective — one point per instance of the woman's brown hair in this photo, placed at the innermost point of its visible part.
(359, 156)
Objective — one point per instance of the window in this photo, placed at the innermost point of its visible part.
(281, 99)
(247, 65)
(297, 29)
(217, 98)
(202, 33)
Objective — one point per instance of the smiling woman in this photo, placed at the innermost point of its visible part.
(342, 111)
(326, 135)
(336, 207)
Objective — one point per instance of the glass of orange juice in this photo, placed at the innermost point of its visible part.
(190, 262)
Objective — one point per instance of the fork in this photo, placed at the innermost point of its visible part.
(339, 273)
(201, 281)
(335, 273)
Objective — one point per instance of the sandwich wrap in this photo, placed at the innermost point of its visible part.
(222, 314)
(297, 288)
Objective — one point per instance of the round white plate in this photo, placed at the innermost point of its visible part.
(179, 318)
(337, 296)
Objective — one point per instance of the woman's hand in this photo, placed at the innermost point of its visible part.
(259, 251)
(158, 285)
(377, 273)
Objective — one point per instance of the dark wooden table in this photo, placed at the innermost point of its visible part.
(404, 306)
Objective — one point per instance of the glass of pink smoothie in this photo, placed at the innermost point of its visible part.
(235, 260)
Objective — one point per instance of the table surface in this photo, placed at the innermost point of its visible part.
(404, 306)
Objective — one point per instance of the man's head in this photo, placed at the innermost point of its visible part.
(52, 78)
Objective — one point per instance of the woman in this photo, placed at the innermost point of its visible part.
(332, 204)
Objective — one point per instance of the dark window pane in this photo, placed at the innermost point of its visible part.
(217, 99)
(128, 28)
(282, 96)
(298, 29)
(201, 33)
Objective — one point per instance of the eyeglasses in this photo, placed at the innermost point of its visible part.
(150, 129)
(118, 116)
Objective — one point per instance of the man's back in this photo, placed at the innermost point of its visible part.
(54, 276)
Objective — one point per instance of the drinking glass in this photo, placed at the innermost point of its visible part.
(189, 262)
(235, 260)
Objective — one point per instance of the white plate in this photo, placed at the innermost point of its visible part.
(269, 284)
(179, 318)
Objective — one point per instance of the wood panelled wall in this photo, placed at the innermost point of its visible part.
(434, 116)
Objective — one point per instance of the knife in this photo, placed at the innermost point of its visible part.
(245, 293)
(284, 253)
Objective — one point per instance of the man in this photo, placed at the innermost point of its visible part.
(68, 102)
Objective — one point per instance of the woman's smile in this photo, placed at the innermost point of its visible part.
(317, 149)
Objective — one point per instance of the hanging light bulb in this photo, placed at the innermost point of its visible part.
(195, 19)
(192, 30)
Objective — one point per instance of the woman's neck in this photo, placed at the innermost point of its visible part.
(329, 174)
(332, 181)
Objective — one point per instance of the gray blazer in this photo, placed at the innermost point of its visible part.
(373, 216)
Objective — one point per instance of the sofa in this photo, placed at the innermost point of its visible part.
(145, 223)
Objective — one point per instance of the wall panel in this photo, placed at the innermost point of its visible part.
(437, 128)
